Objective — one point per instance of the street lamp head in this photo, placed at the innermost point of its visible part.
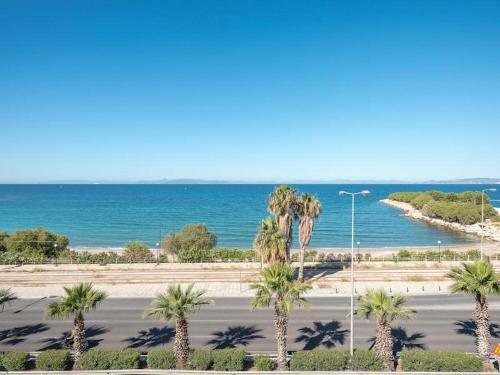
(359, 243)
(157, 244)
(439, 242)
(342, 193)
(365, 193)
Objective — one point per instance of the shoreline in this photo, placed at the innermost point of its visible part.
(491, 231)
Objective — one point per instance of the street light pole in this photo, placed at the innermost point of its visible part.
(359, 257)
(363, 193)
(482, 217)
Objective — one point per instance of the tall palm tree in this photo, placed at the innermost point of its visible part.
(269, 242)
(385, 309)
(479, 280)
(282, 202)
(77, 300)
(175, 304)
(309, 208)
(278, 283)
(6, 297)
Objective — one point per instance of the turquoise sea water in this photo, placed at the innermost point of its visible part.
(111, 215)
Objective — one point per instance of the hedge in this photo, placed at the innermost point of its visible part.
(53, 360)
(319, 360)
(161, 360)
(199, 359)
(15, 361)
(262, 362)
(366, 360)
(413, 360)
(97, 359)
(228, 359)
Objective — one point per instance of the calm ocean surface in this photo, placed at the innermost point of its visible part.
(111, 215)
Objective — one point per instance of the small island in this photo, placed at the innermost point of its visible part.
(459, 212)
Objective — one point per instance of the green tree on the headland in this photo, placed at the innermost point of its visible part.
(269, 243)
(282, 203)
(479, 280)
(35, 243)
(278, 286)
(191, 237)
(309, 209)
(385, 309)
(6, 297)
(76, 301)
(175, 304)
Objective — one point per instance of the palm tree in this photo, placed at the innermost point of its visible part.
(78, 300)
(309, 208)
(6, 297)
(176, 303)
(269, 243)
(385, 309)
(278, 283)
(479, 280)
(282, 202)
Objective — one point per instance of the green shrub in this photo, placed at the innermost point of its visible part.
(96, 359)
(262, 362)
(413, 360)
(125, 359)
(193, 255)
(420, 200)
(137, 251)
(228, 359)
(319, 360)
(191, 236)
(200, 359)
(36, 242)
(161, 360)
(366, 360)
(15, 361)
(53, 360)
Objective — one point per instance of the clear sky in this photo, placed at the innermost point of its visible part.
(249, 90)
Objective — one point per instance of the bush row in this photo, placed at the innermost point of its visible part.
(235, 360)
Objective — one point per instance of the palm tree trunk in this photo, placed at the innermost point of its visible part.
(482, 328)
(181, 342)
(78, 339)
(301, 267)
(281, 326)
(384, 345)
(286, 228)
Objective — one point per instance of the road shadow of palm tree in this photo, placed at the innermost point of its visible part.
(328, 335)
(401, 340)
(16, 335)
(235, 336)
(468, 327)
(65, 341)
(152, 337)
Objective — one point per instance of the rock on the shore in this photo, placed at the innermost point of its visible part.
(490, 230)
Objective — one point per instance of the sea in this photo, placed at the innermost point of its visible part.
(99, 215)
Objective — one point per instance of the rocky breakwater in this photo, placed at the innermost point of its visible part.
(491, 230)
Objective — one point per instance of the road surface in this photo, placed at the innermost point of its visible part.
(441, 323)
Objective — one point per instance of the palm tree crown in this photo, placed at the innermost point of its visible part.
(282, 200)
(176, 303)
(278, 281)
(269, 242)
(381, 306)
(6, 297)
(478, 279)
(78, 300)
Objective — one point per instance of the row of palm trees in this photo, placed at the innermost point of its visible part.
(279, 288)
(275, 236)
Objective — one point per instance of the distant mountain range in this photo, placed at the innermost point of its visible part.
(466, 181)
(193, 181)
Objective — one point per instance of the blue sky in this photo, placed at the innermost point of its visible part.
(249, 90)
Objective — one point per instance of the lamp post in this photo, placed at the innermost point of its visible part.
(157, 252)
(55, 252)
(363, 193)
(439, 251)
(359, 258)
(482, 217)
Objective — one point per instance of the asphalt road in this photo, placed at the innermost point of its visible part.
(441, 323)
